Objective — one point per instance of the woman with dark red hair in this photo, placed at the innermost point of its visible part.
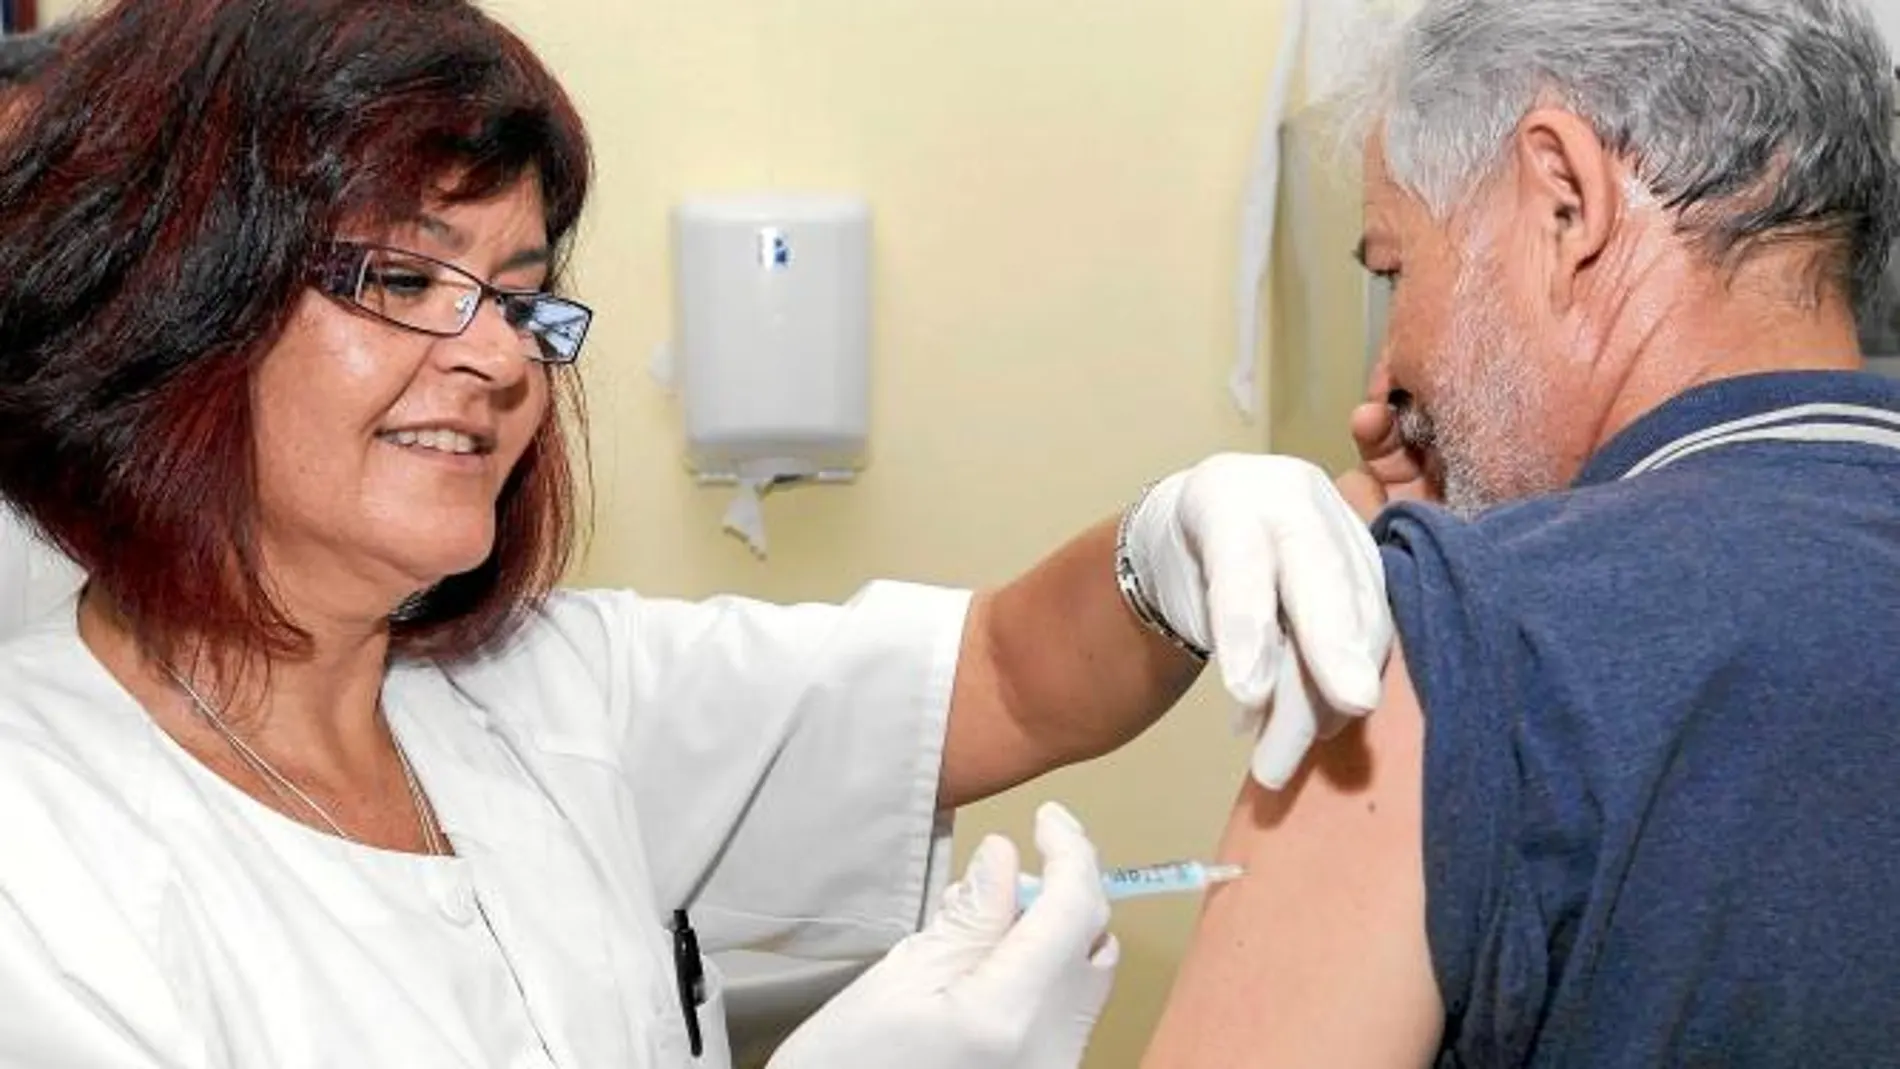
(316, 771)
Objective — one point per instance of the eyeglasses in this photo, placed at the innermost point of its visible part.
(426, 295)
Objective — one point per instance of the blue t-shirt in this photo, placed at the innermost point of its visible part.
(1662, 741)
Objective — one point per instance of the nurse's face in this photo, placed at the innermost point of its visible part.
(381, 452)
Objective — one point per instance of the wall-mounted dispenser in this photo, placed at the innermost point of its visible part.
(773, 342)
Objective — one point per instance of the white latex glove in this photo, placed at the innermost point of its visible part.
(978, 986)
(1227, 547)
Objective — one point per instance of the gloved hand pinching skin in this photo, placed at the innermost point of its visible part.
(1228, 548)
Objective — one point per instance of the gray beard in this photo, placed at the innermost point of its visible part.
(1467, 487)
(1447, 468)
(1479, 440)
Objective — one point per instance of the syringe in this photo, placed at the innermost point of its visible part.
(1170, 878)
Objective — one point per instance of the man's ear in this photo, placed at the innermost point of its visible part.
(1568, 189)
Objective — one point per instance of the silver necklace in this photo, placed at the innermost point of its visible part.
(289, 792)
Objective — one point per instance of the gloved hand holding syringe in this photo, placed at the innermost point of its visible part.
(1010, 972)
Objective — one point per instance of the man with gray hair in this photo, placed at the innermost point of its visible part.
(1625, 800)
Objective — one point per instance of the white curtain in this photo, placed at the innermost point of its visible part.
(1321, 42)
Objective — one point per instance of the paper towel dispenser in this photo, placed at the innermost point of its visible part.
(774, 335)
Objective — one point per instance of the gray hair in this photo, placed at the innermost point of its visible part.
(1754, 120)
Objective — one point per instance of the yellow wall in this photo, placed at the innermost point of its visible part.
(1056, 190)
(52, 11)
(1056, 185)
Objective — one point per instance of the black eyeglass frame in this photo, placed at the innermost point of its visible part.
(342, 269)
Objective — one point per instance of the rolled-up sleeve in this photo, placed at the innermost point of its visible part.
(786, 762)
(1449, 587)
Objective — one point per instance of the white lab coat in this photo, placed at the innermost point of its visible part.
(34, 577)
(774, 769)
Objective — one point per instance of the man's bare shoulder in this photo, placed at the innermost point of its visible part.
(1318, 956)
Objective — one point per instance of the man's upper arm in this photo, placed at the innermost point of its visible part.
(1318, 956)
